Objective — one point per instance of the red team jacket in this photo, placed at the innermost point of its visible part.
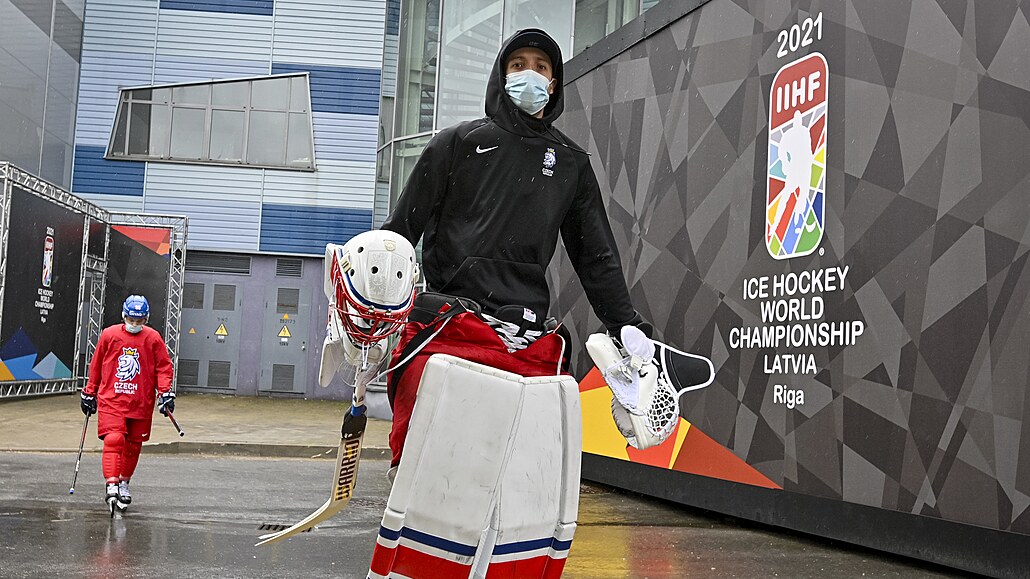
(126, 369)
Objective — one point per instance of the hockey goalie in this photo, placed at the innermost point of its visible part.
(486, 433)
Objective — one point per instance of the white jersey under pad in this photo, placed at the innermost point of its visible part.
(488, 483)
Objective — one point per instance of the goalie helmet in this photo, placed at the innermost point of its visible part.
(370, 282)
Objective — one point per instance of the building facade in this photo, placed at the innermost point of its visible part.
(40, 55)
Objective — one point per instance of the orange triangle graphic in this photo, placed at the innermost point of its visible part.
(5, 374)
(156, 239)
(702, 455)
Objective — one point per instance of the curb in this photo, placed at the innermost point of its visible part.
(232, 449)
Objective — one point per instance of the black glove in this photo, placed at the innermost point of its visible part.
(88, 404)
(166, 403)
(615, 331)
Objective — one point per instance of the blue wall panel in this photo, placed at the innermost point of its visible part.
(298, 229)
(258, 7)
(339, 89)
(95, 174)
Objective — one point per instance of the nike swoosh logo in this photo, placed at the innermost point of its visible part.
(482, 150)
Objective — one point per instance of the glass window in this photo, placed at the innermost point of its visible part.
(546, 15)
(227, 128)
(160, 120)
(230, 94)
(265, 122)
(298, 141)
(139, 129)
(196, 94)
(596, 19)
(416, 67)
(187, 133)
(406, 153)
(266, 141)
(299, 100)
(121, 128)
(271, 94)
(469, 47)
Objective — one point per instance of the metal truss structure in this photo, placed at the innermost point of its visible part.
(92, 282)
(176, 272)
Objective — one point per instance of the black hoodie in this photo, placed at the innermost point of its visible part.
(491, 197)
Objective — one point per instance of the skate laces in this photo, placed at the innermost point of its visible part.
(112, 489)
(123, 489)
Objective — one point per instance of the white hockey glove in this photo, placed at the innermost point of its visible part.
(644, 405)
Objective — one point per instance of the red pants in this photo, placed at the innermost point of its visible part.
(467, 337)
(123, 439)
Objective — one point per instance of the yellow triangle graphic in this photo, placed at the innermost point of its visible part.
(192, 331)
(221, 331)
(286, 316)
(285, 333)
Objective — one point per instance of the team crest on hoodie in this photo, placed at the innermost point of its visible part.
(550, 160)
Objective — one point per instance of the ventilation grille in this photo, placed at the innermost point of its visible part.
(189, 372)
(287, 301)
(224, 298)
(193, 296)
(282, 377)
(218, 374)
(211, 262)
(289, 267)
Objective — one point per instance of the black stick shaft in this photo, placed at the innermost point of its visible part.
(82, 443)
(175, 424)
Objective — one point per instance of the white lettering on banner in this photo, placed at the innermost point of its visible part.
(792, 310)
(788, 396)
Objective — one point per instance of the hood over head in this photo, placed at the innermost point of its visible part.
(499, 105)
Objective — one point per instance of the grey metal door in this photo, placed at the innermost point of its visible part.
(284, 340)
(209, 349)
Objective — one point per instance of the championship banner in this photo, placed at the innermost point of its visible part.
(138, 264)
(41, 292)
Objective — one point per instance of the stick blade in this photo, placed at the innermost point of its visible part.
(346, 475)
(326, 511)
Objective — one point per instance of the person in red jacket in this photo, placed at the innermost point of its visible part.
(129, 369)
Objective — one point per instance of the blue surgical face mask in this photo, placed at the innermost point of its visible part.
(133, 329)
(528, 89)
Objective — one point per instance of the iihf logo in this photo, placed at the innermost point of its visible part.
(550, 160)
(128, 364)
(48, 260)
(796, 194)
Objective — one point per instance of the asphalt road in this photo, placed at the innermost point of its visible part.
(199, 516)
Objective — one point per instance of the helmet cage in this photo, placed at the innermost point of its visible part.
(366, 322)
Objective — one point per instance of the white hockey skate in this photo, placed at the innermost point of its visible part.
(113, 500)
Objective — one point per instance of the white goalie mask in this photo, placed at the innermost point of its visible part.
(370, 282)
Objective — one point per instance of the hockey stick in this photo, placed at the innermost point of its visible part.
(82, 443)
(175, 424)
(347, 456)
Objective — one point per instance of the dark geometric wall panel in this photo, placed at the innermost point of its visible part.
(909, 359)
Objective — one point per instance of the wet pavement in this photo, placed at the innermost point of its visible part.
(198, 510)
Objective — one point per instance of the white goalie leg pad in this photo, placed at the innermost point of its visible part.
(489, 476)
(538, 499)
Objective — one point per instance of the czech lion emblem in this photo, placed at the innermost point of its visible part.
(128, 364)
